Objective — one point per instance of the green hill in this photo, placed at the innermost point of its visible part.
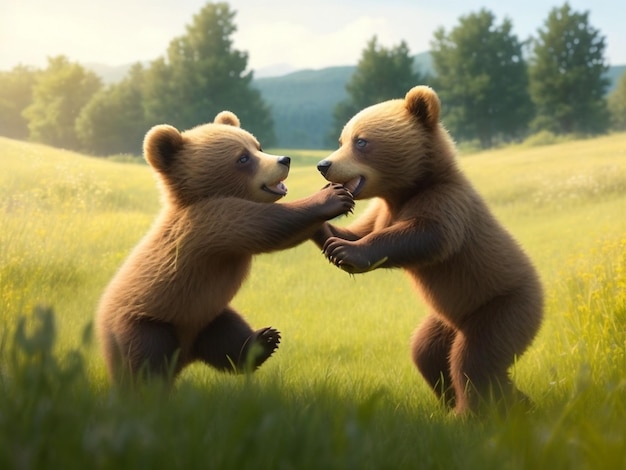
(302, 102)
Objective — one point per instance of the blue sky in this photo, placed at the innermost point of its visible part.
(299, 35)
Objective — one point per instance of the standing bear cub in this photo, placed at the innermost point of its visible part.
(484, 295)
(169, 303)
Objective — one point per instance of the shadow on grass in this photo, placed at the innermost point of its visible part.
(52, 415)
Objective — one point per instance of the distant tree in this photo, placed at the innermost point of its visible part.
(59, 94)
(16, 94)
(567, 75)
(482, 79)
(202, 75)
(381, 74)
(160, 94)
(113, 121)
(617, 105)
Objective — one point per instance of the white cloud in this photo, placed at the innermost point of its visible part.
(303, 47)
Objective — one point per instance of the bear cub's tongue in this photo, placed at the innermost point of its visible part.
(278, 188)
(354, 185)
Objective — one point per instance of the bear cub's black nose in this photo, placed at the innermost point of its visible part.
(284, 161)
(323, 166)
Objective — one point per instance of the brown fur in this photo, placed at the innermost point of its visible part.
(484, 295)
(169, 303)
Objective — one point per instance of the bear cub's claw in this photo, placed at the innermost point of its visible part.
(261, 345)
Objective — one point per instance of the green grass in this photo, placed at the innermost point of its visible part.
(341, 392)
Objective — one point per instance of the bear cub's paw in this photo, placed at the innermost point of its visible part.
(260, 346)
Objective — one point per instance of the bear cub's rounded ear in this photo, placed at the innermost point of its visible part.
(423, 103)
(227, 117)
(160, 146)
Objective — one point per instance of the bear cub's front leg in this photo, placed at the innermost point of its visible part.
(352, 257)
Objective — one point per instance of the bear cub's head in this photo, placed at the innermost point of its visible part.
(388, 147)
(218, 159)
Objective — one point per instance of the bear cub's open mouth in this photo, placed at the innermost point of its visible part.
(355, 185)
(279, 189)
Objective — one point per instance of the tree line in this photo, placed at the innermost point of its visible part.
(200, 74)
(494, 87)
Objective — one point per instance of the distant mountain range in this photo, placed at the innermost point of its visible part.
(302, 102)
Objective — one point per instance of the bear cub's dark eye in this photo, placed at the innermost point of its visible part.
(361, 143)
(244, 158)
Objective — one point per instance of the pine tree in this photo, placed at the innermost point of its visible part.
(381, 74)
(567, 75)
(202, 75)
(482, 79)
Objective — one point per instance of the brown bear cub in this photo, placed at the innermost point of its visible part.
(168, 305)
(484, 295)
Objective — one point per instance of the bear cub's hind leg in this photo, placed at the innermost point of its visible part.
(142, 348)
(431, 347)
(230, 345)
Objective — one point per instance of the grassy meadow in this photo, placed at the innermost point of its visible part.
(341, 392)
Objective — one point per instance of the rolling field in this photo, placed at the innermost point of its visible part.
(341, 392)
